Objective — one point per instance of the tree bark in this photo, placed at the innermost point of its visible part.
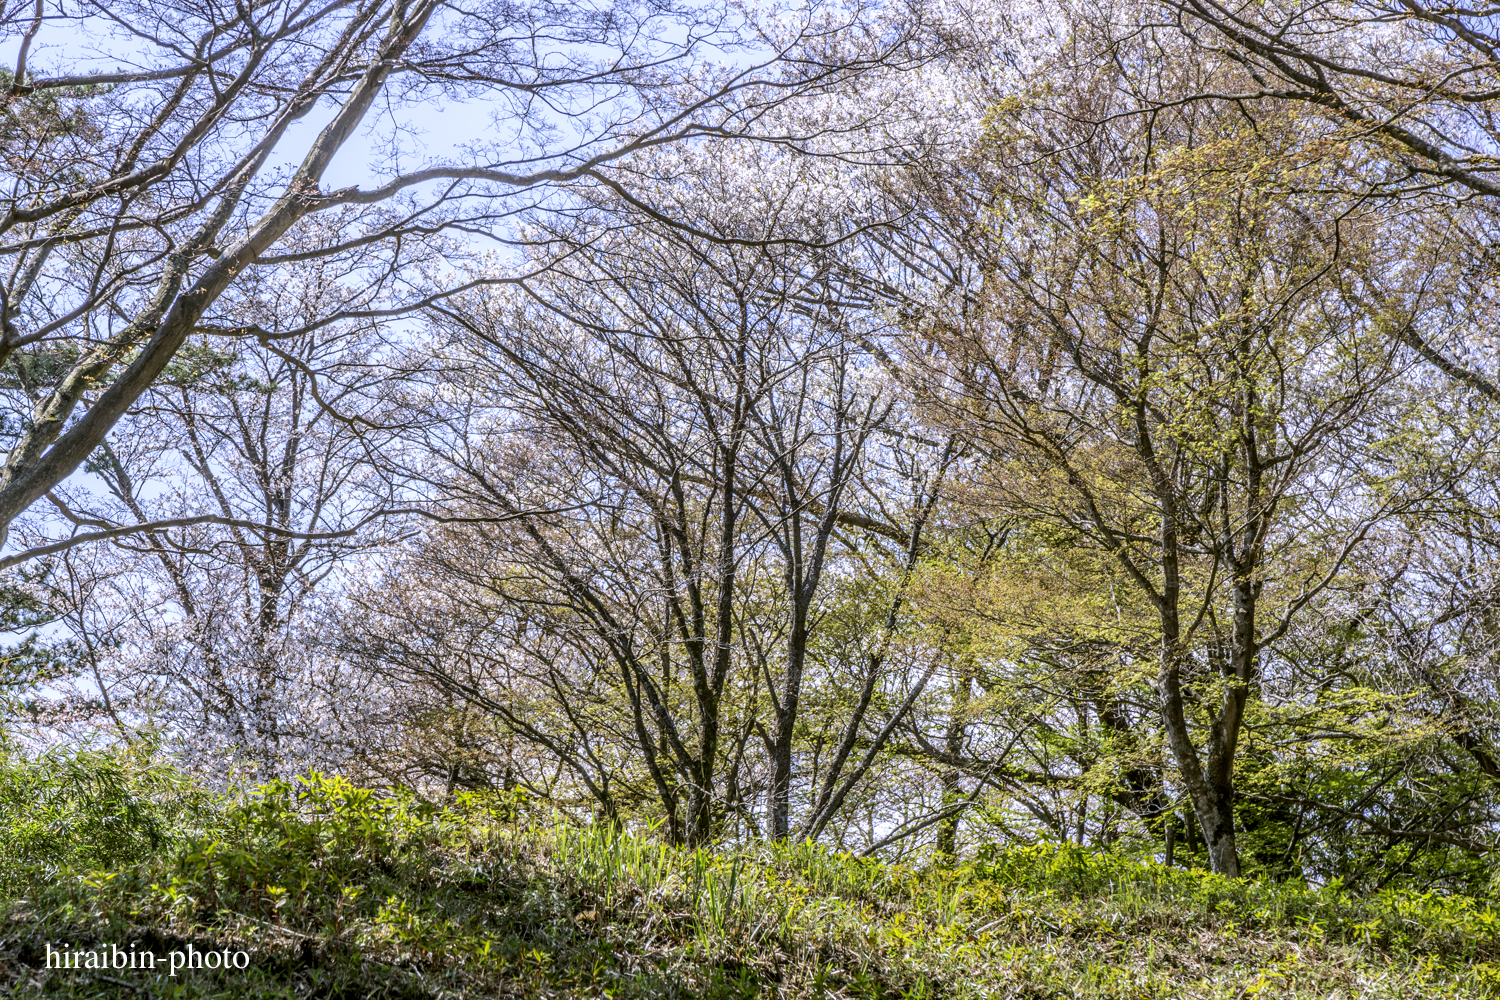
(953, 744)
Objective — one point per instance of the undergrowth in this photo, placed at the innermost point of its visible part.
(337, 891)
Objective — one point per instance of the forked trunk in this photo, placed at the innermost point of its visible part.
(1210, 790)
(1216, 820)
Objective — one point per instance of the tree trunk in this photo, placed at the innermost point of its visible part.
(1212, 792)
(1217, 822)
(786, 721)
(953, 744)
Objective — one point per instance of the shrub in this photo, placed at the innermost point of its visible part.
(86, 808)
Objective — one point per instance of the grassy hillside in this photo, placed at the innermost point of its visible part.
(336, 892)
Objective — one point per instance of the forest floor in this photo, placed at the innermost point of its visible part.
(333, 892)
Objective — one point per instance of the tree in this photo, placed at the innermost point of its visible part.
(1411, 88)
(686, 429)
(141, 198)
(1420, 81)
(205, 636)
(1173, 356)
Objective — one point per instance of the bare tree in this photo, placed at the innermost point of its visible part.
(204, 634)
(141, 196)
(697, 415)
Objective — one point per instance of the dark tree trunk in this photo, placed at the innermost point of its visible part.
(953, 745)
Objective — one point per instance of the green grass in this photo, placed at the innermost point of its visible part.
(335, 891)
